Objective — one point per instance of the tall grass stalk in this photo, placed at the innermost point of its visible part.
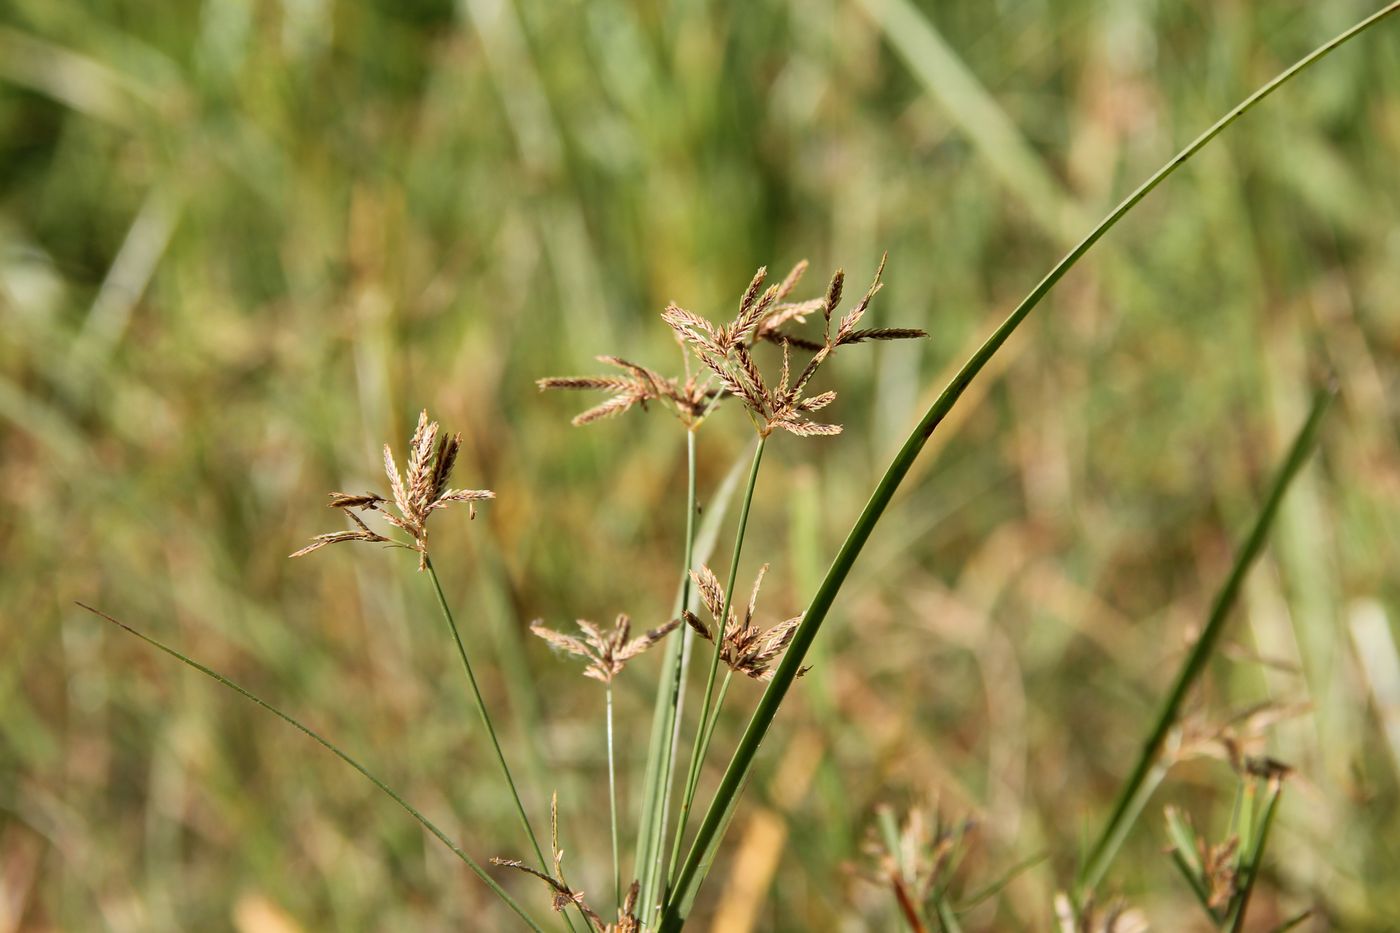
(1148, 770)
(661, 749)
(719, 705)
(670, 697)
(704, 727)
(485, 716)
(342, 755)
(681, 899)
(1256, 854)
(612, 803)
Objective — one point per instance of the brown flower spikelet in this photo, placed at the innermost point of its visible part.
(725, 349)
(419, 491)
(641, 385)
(744, 647)
(919, 860)
(729, 368)
(606, 652)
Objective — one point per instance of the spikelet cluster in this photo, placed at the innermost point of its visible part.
(744, 647)
(726, 349)
(421, 489)
(917, 862)
(687, 398)
(726, 353)
(1090, 917)
(605, 651)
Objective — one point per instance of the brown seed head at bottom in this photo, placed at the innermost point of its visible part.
(564, 896)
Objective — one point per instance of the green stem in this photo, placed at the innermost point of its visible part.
(714, 718)
(486, 716)
(660, 764)
(612, 803)
(1135, 791)
(1256, 854)
(702, 851)
(702, 731)
(1197, 888)
(947, 918)
(490, 729)
(335, 750)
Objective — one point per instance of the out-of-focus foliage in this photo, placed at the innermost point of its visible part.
(242, 242)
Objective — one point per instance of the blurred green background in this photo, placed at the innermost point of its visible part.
(242, 242)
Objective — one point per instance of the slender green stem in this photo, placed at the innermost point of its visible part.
(486, 716)
(612, 803)
(677, 720)
(1244, 826)
(702, 730)
(1256, 854)
(490, 728)
(660, 764)
(671, 692)
(1197, 888)
(1136, 789)
(1292, 923)
(708, 836)
(971, 902)
(947, 917)
(335, 750)
(714, 717)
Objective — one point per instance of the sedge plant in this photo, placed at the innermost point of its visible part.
(727, 370)
(661, 892)
(681, 900)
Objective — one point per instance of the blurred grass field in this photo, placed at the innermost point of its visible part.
(242, 242)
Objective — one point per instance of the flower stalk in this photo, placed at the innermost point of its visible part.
(697, 754)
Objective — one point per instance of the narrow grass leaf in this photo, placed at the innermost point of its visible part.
(1137, 787)
(335, 750)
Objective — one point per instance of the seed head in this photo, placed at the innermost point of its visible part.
(725, 349)
(418, 492)
(728, 365)
(744, 647)
(606, 652)
(919, 859)
(689, 401)
(1113, 917)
